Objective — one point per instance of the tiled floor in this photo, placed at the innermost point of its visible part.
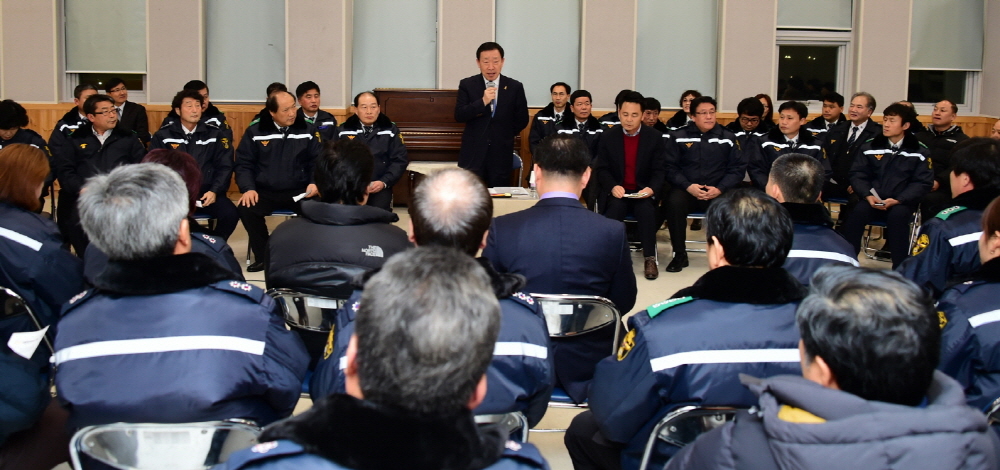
(650, 292)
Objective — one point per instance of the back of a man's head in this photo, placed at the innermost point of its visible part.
(876, 331)
(562, 156)
(343, 172)
(135, 211)
(426, 330)
(451, 208)
(753, 229)
(978, 157)
(799, 177)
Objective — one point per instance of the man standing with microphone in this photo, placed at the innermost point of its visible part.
(494, 110)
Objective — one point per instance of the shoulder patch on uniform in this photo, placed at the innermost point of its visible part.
(255, 121)
(923, 241)
(627, 344)
(943, 215)
(263, 451)
(942, 319)
(242, 288)
(525, 300)
(656, 309)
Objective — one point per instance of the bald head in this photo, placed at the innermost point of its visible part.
(451, 208)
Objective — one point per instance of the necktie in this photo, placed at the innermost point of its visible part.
(493, 104)
(582, 126)
(793, 144)
(854, 135)
(311, 120)
(558, 117)
(368, 130)
(119, 112)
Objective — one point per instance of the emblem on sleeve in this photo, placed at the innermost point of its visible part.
(627, 344)
(77, 297)
(328, 350)
(207, 237)
(264, 447)
(922, 243)
(942, 319)
(512, 445)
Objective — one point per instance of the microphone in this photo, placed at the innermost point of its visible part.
(493, 104)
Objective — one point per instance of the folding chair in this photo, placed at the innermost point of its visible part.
(515, 424)
(206, 220)
(278, 213)
(695, 216)
(142, 446)
(519, 166)
(868, 237)
(312, 318)
(682, 426)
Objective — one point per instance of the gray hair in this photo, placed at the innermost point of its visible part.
(135, 211)
(451, 208)
(868, 96)
(426, 329)
(876, 330)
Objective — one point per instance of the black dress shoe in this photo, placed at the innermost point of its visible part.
(695, 226)
(256, 267)
(677, 264)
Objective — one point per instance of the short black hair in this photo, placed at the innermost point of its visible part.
(752, 227)
(90, 106)
(563, 155)
(304, 88)
(578, 94)
(651, 104)
(694, 93)
(112, 83)
(562, 84)
(798, 107)
(489, 46)
(906, 113)
(82, 88)
(272, 101)
(343, 171)
(702, 100)
(366, 93)
(179, 98)
(954, 107)
(834, 97)
(876, 330)
(799, 177)
(276, 86)
(12, 115)
(750, 107)
(196, 85)
(621, 96)
(978, 157)
(633, 97)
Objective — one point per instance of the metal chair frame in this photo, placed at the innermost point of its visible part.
(279, 213)
(310, 334)
(695, 216)
(85, 441)
(710, 417)
(512, 422)
(872, 253)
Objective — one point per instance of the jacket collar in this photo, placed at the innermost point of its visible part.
(989, 271)
(569, 121)
(909, 142)
(805, 137)
(381, 122)
(808, 214)
(954, 129)
(266, 122)
(86, 131)
(160, 275)
(178, 128)
(345, 214)
(342, 429)
(976, 199)
(734, 284)
(72, 116)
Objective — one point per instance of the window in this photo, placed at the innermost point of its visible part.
(810, 64)
(245, 48)
(946, 53)
(542, 40)
(404, 58)
(673, 32)
(105, 39)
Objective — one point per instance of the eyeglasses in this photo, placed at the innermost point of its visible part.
(705, 113)
(108, 112)
(750, 120)
(117, 90)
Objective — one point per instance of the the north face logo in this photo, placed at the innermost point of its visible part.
(373, 250)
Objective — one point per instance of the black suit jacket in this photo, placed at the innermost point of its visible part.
(650, 160)
(489, 135)
(134, 119)
(842, 155)
(563, 248)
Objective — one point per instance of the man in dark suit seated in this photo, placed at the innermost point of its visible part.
(842, 142)
(630, 163)
(494, 110)
(562, 248)
(131, 116)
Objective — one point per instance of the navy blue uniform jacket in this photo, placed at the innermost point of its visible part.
(948, 243)
(208, 146)
(691, 349)
(815, 243)
(489, 137)
(712, 158)
(563, 248)
(175, 339)
(904, 174)
(970, 341)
